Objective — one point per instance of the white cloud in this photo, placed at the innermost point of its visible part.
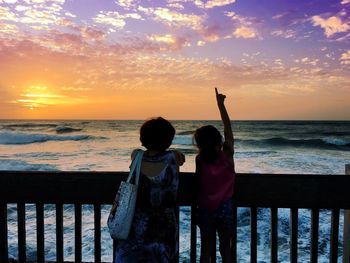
(200, 43)
(176, 5)
(125, 3)
(244, 32)
(163, 38)
(173, 18)
(289, 33)
(345, 58)
(10, 1)
(331, 25)
(244, 25)
(213, 3)
(114, 18)
(344, 2)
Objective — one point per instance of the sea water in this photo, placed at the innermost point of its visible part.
(317, 147)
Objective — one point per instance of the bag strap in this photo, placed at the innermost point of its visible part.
(136, 167)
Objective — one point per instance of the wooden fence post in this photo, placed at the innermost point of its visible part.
(346, 233)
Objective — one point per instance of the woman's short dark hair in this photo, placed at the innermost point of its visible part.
(207, 139)
(157, 134)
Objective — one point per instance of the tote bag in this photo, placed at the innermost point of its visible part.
(122, 213)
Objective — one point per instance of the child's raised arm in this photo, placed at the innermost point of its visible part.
(228, 144)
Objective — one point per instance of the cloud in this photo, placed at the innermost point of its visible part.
(344, 2)
(10, 1)
(125, 3)
(289, 33)
(172, 18)
(114, 18)
(176, 5)
(244, 25)
(244, 32)
(213, 3)
(169, 39)
(331, 25)
(200, 43)
(8, 29)
(345, 58)
(7, 15)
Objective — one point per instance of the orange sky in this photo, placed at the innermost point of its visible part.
(59, 63)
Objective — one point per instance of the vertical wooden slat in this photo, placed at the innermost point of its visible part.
(334, 236)
(234, 234)
(315, 214)
(253, 235)
(97, 229)
(213, 251)
(346, 229)
(40, 254)
(77, 232)
(59, 232)
(294, 235)
(177, 215)
(114, 249)
(193, 246)
(274, 235)
(3, 233)
(21, 213)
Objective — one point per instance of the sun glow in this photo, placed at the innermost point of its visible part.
(41, 97)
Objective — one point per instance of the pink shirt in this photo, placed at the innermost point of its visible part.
(216, 183)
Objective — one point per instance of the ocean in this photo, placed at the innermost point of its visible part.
(301, 147)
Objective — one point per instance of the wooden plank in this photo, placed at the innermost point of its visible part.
(334, 236)
(259, 190)
(3, 233)
(177, 215)
(346, 229)
(77, 232)
(193, 245)
(315, 215)
(294, 235)
(97, 229)
(274, 235)
(21, 218)
(253, 235)
(59, 232)
(115, 244)
(40, 233)
(234, 234)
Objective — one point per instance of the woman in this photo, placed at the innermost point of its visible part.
(153, 235)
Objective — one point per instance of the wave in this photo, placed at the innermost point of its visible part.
(28, 138)
(61, 129)
(327, 143)
(183, 140)
(186, 133)
(18, 165)
(30, 125)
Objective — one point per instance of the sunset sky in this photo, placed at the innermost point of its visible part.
(133, 59)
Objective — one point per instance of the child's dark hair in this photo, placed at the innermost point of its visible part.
(208, 139)
(157, 134)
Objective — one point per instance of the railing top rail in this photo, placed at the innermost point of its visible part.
(256, 190)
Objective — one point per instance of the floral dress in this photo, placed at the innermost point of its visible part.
(154, 233)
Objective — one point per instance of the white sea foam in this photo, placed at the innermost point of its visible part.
(183, 140)
(335, 141)
(27, 138)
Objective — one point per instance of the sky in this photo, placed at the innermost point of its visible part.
(135, 59)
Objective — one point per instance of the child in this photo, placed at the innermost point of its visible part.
(153, 235)
(216, 176)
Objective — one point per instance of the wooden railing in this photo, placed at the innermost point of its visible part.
(271, 191)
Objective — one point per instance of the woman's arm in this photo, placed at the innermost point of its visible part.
(228, 147)
(180, 157)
